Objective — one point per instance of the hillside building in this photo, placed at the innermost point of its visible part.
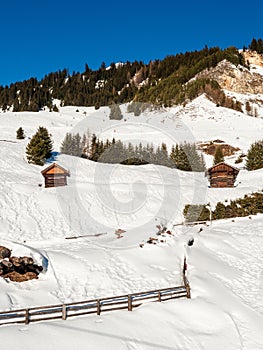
(55, 175)
(222, 175)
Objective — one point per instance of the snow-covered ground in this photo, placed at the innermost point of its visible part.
(224, 264)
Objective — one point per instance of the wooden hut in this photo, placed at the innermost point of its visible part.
(222, 175)
(55, 175)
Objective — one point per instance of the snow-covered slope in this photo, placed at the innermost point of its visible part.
(225, 261)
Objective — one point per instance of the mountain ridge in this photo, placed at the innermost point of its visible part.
(177, 79)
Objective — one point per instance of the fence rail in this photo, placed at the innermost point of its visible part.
(96, 306)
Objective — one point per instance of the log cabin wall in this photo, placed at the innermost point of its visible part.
(222, 175)
(55, 180)
(55, 176)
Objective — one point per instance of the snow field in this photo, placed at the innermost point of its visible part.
(224, 264)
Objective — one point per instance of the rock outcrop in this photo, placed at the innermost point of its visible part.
(237, 79)
(252, 57)
(211, 147)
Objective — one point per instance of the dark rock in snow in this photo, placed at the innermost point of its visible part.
(190, 242)
(18, 269)
(4, 252)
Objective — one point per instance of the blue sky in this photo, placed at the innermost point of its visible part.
(39, 37)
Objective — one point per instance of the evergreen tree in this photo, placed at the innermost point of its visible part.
(93, 147)
(20, 135)
(66, 146)
(220, 211)
(193, 161)
(255, 156)
(185, 157)
(202, 165)
(183, 162)
(97, 105)
(260, 46)
(86, 144)
(77, 148)
(256, 45)
(117, 152)
(175, 154)
(16, 107)
(103, 65)
(72, 145)
(84, 141)
(40, 147)
(218, 157)
(161, 156)
(196, 212)
(115, 112)
(253, 45)
(48, 143)
(55, 108)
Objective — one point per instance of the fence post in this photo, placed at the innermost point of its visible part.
(159, 296)
(98, 307)
(186, 282)
(27, 316)
(129, 302)
(64, 312)
(188, 290)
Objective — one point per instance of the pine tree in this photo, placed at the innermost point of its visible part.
(103, 65)
(218, 157)
(162, 157)
(86, 144)
(185, 157)
(175, 154)
(48, 143)
(202, 163)
(20, 135)
(183, 161)
(255, 156)
(16, 107)
(253, 46)
(93, 147)
(115, 112)
(260, 46)
(66, 146)
(40, 147)
(220, 211)
(248, 108)
(77, 149)
(55, 108)
(196, 212)
(191, 156)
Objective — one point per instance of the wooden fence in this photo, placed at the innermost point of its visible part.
(97, 306)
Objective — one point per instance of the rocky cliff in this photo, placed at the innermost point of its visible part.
(238, 79)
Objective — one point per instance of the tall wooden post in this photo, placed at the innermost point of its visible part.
(27, 316)
(129, 302)
(188, 291)
(64, 312)
(185, 266)
(98, 307)
(186, 283)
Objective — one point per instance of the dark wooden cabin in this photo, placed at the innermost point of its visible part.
(222, 175)
(55, 175)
